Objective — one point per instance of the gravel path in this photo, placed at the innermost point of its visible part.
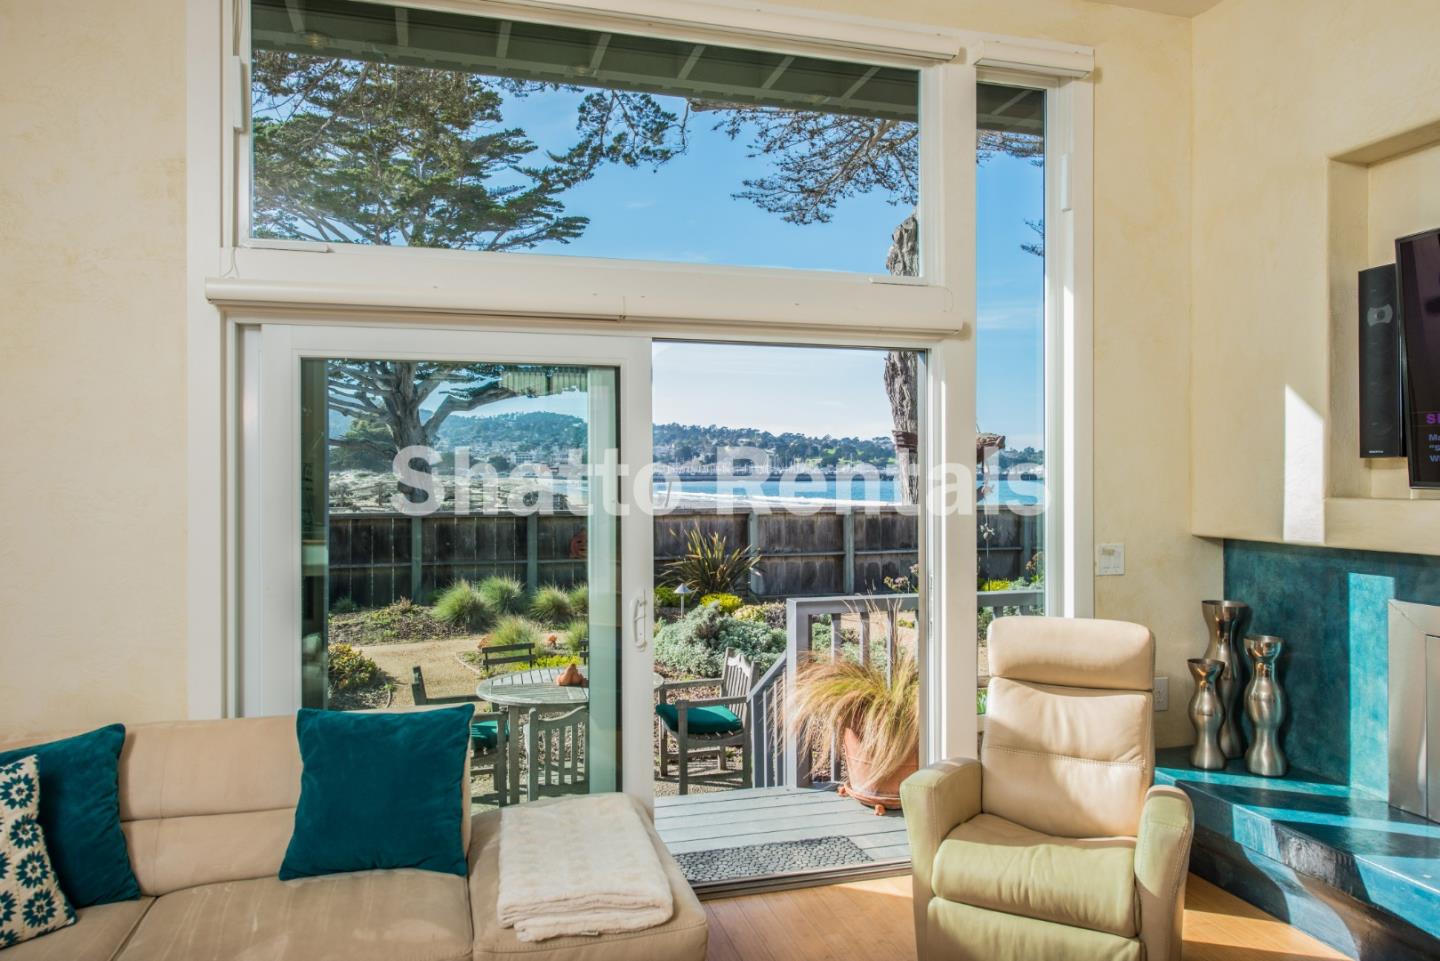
(444, 675)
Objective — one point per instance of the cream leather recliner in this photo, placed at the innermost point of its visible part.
(1053, 844)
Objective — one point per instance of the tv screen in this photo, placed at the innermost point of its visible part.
(1417, 263)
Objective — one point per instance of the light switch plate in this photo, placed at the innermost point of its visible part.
(1109, 560)
(1162, 693)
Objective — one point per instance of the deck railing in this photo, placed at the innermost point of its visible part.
(778, 757)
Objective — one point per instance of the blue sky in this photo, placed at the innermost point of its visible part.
(685, 211)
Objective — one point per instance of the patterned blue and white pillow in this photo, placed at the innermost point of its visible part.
(31, 903)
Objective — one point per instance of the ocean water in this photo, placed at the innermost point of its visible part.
(1007, 491)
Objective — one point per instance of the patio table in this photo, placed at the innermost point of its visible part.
(518, 691)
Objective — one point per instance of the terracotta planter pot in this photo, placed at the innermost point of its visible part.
(861, 783)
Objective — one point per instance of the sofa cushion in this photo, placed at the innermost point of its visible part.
(682, 938)
(208, 801)
(700, 720)
(97, 935)
(360, 916)
(380, 791)
(80, 811)
(992, 863)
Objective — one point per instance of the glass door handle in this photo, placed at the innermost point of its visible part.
(638, 611)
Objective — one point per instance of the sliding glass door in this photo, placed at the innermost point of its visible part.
(441, 518)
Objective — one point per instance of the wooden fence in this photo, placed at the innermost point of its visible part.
(377, 558)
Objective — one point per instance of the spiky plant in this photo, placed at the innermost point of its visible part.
(551, 605)
(831, 696)
(463, 606)
(515, 630)
(580, 600)
(577, 634)
(504, 594)
(709, 566)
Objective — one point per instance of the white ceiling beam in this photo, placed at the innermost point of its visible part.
(402, 26)
(502, 46)
(691, 61)
(599, 54)
(770, 80)
(855, 87)
(297, 15)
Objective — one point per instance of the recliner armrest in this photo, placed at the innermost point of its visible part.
(937, 799)
(1162, 861)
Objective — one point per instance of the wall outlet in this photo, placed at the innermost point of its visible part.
(1109, 560)
(1162, 693)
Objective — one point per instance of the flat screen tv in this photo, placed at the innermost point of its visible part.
(1417, 264)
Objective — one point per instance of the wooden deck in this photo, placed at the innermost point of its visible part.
(731, 819)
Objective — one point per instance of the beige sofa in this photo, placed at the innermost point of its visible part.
(207, 809)
(1053, 844)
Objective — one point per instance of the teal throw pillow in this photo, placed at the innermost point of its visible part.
(380, 791)
(80, 812)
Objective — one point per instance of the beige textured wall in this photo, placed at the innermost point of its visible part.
(94, 341)
(92, 378)
(1294, 101)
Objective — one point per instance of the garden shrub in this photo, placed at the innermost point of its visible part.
(580, 600)
(728, 603)
(695, 645)
(709, 566)
(349, 670)
(344, 605)
(771, 613)
(515, 630)
(665, 596)
(463, 606)
(505, 595)
(576, 635)
(820, 634)
(551, 605)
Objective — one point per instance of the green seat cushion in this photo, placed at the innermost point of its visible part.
(995, 864)
(701, 720)
(486, 734)
(80, 814)
(380, 791)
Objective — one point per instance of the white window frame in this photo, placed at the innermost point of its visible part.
(226, 279)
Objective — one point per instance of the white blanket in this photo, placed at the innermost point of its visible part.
(583, 865)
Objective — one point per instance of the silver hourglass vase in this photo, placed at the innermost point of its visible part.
(1206, 714)
(1265, 706)
(1227, 621)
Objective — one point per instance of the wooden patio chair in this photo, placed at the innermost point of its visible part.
(489, 733)
(709, 725)
(555, 752)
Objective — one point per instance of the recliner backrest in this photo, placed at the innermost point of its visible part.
(1069, 745)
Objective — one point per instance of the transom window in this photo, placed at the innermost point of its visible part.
(379, 124)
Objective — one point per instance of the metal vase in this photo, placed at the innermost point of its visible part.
(1206, 714)
(1227, 621)
(1265, 706)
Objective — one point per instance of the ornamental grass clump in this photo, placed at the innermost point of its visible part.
(883, 713)
(552, 606)
(463, 606)
(505, 595)
(515, 630)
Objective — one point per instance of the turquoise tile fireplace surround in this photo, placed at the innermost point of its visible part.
(1331, 608)
(1322, 848)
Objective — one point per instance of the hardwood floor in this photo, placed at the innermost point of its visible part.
(872, 921)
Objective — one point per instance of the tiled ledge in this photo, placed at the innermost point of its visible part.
(1320, 830)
